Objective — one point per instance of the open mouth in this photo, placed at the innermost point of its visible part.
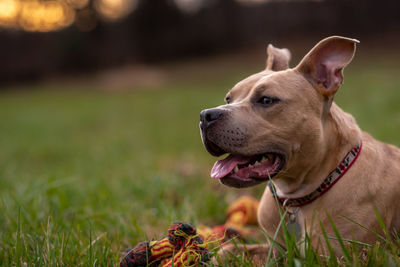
(244, 171)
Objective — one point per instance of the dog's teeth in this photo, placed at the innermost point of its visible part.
(250, 165)
(236, 169)
(263, 159)
(270, 157)
(257, 163)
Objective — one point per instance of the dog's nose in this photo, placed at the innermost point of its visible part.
(209, 116)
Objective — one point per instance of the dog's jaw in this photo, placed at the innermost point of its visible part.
(245, 171)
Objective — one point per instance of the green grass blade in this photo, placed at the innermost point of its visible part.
(346, 253)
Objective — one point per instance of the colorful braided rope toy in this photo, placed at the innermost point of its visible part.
(184, 246)
(240, 214)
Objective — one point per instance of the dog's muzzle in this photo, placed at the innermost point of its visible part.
(208, 118)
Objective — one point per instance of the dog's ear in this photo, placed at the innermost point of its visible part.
(323, 65)
(278, 58)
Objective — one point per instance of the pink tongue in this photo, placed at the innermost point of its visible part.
(223, 167)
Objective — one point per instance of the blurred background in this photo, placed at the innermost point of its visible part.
(100, 100)
(43, 38)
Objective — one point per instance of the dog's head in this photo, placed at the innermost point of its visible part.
(274, 119)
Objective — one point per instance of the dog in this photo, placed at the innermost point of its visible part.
(281, 126)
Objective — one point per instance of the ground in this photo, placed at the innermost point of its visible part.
(86, 173)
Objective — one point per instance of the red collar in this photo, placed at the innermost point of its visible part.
(332, 178)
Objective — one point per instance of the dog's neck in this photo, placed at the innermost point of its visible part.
(340, 135)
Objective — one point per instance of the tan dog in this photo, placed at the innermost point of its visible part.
(282, 123)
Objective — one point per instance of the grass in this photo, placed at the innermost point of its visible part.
(85, 174)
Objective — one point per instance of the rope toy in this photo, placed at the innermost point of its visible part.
(185, 246)
(241, 213)
(182, 247)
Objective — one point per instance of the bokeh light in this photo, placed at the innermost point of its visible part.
(35, 15)
(45, 15)
(115, 9)
(52, 15)
(9, 10)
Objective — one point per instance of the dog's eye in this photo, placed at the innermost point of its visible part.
(228, 99)
(267, 101)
